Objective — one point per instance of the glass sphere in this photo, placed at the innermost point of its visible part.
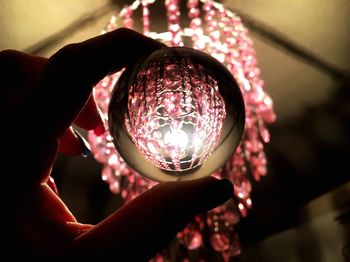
(176, 115)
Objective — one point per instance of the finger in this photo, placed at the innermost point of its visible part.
(70, 143)
(75, 69)
(149, 222)
(17, 69)
(89, 118)
(73, 143)
(52, 184)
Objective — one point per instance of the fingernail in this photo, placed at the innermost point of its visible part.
(51, 183)
(100, 129)
(85, 146)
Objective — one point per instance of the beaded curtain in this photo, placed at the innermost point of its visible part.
(214, 29)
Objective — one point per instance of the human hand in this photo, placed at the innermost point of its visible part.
(41, 98)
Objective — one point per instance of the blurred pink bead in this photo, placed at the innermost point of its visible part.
(114, 187)
(193, 240)
(220, 242)
(235, 248)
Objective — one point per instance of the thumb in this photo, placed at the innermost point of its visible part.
(149, 222)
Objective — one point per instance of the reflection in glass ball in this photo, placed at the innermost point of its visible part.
(177, 114)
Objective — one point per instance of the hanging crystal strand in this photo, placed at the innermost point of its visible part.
(236, 167)
(235, 248)
(126, 15)
(145, 17)
(221, 221)
(228, 24)
(101, 95)
(191, 235)
(231, 218)
(210, 18)
(195, 24)
(237, 172)
(254, 147)
(242, 63)
(173, 13)
(258, 100)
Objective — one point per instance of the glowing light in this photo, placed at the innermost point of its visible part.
(176, 138)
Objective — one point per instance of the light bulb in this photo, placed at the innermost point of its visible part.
(176, 115)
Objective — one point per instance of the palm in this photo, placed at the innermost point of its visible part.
(43, 97)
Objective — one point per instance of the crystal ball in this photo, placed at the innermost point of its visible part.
(177, 114)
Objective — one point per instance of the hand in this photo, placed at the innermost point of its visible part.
(41, 99)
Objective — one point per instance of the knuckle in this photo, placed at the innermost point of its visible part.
(66, 56)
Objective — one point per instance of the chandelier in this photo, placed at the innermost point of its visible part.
(217, 31)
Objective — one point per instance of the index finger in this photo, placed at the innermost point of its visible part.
(73, 71)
